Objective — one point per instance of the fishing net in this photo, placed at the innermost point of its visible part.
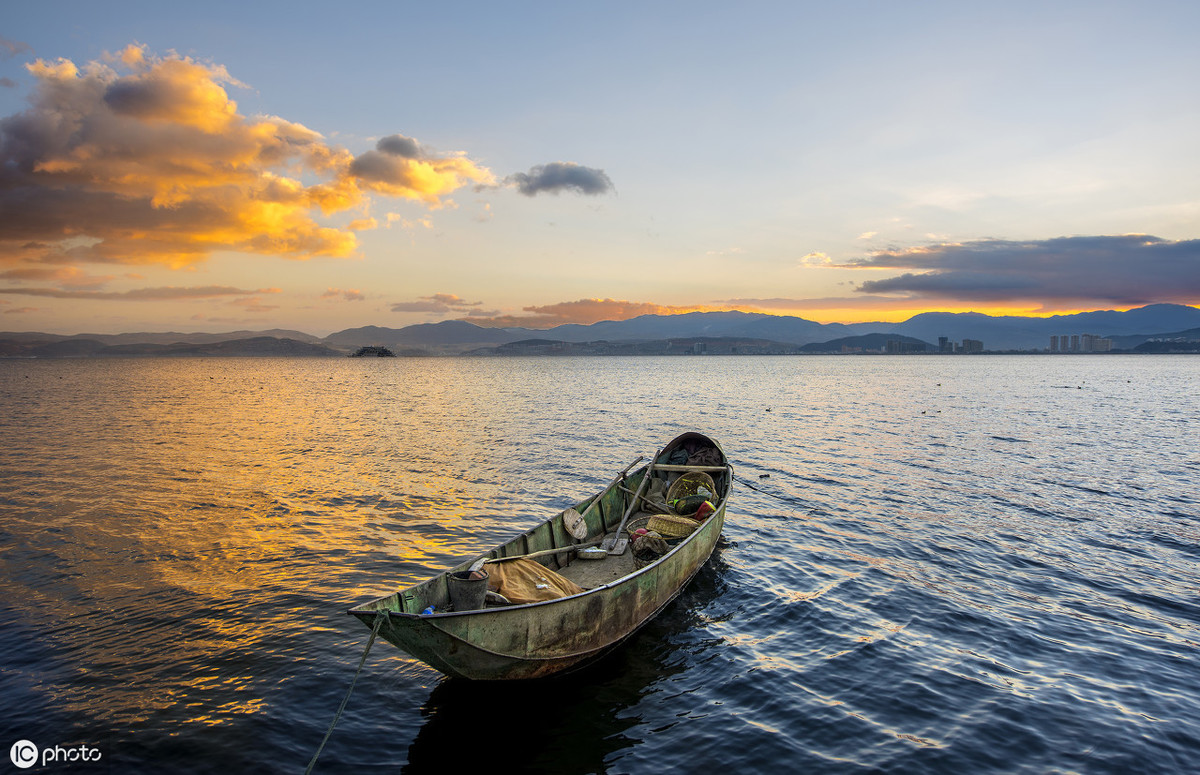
(528, 581)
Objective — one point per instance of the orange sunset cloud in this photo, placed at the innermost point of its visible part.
(146, 160)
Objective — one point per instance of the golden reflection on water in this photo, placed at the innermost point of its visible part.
(206, 505)
(179, 540)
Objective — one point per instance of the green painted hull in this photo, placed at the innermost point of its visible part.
(541, 639)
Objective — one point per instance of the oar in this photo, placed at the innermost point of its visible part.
(576, 523)
(542, 553)
(572, 520)
(616, 544)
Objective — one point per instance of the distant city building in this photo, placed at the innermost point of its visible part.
(1080, 343)
(895, 347)
(967, 346)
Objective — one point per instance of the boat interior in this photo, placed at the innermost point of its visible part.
(639, 517)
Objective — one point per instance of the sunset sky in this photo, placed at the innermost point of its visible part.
(218, 166)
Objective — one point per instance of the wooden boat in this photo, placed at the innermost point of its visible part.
(620, 592)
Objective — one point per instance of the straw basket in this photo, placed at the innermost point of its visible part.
(671, 526)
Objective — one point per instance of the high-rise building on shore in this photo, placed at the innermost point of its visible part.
(1080, 343)
(1090, 343)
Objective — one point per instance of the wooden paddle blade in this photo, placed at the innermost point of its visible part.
(575, 524)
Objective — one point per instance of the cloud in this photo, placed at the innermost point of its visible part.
(8, 83)
(400, 166)
(253, 304)
(10, 48)
(144, 159)
(560, 176)
(396, 218)
(404, 147)
(440, 303)
(583, 311)
(816, 258)
(344, 295)
(168, 293)
(1127, 270)
(63, 275)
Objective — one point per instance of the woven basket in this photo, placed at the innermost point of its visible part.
(694, 483)
(670, 526)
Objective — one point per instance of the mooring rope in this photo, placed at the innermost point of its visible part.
(785, 498)
(380, 617)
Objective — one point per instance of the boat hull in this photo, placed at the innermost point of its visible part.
(550, 637)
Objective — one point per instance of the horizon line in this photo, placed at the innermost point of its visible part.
(553, 325)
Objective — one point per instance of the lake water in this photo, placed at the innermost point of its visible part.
(930, 564)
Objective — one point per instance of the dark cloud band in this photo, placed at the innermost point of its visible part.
(1127, 270)
(561, 176)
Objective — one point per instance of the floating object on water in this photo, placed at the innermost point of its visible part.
(530, 640)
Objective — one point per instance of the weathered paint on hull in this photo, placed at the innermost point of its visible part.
(541, 639)
(556, 636)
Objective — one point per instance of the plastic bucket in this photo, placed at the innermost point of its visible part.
(467, 589)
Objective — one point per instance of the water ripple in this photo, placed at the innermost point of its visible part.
(930, 564)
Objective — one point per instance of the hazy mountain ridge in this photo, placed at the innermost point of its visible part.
(1126, 329)
(1029, 333)
(447, 332)
(675, 346)
(258, 346)
(165, 337)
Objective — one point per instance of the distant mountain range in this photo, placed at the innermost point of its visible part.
(740, 331)
(996, 333)
(71, 347)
